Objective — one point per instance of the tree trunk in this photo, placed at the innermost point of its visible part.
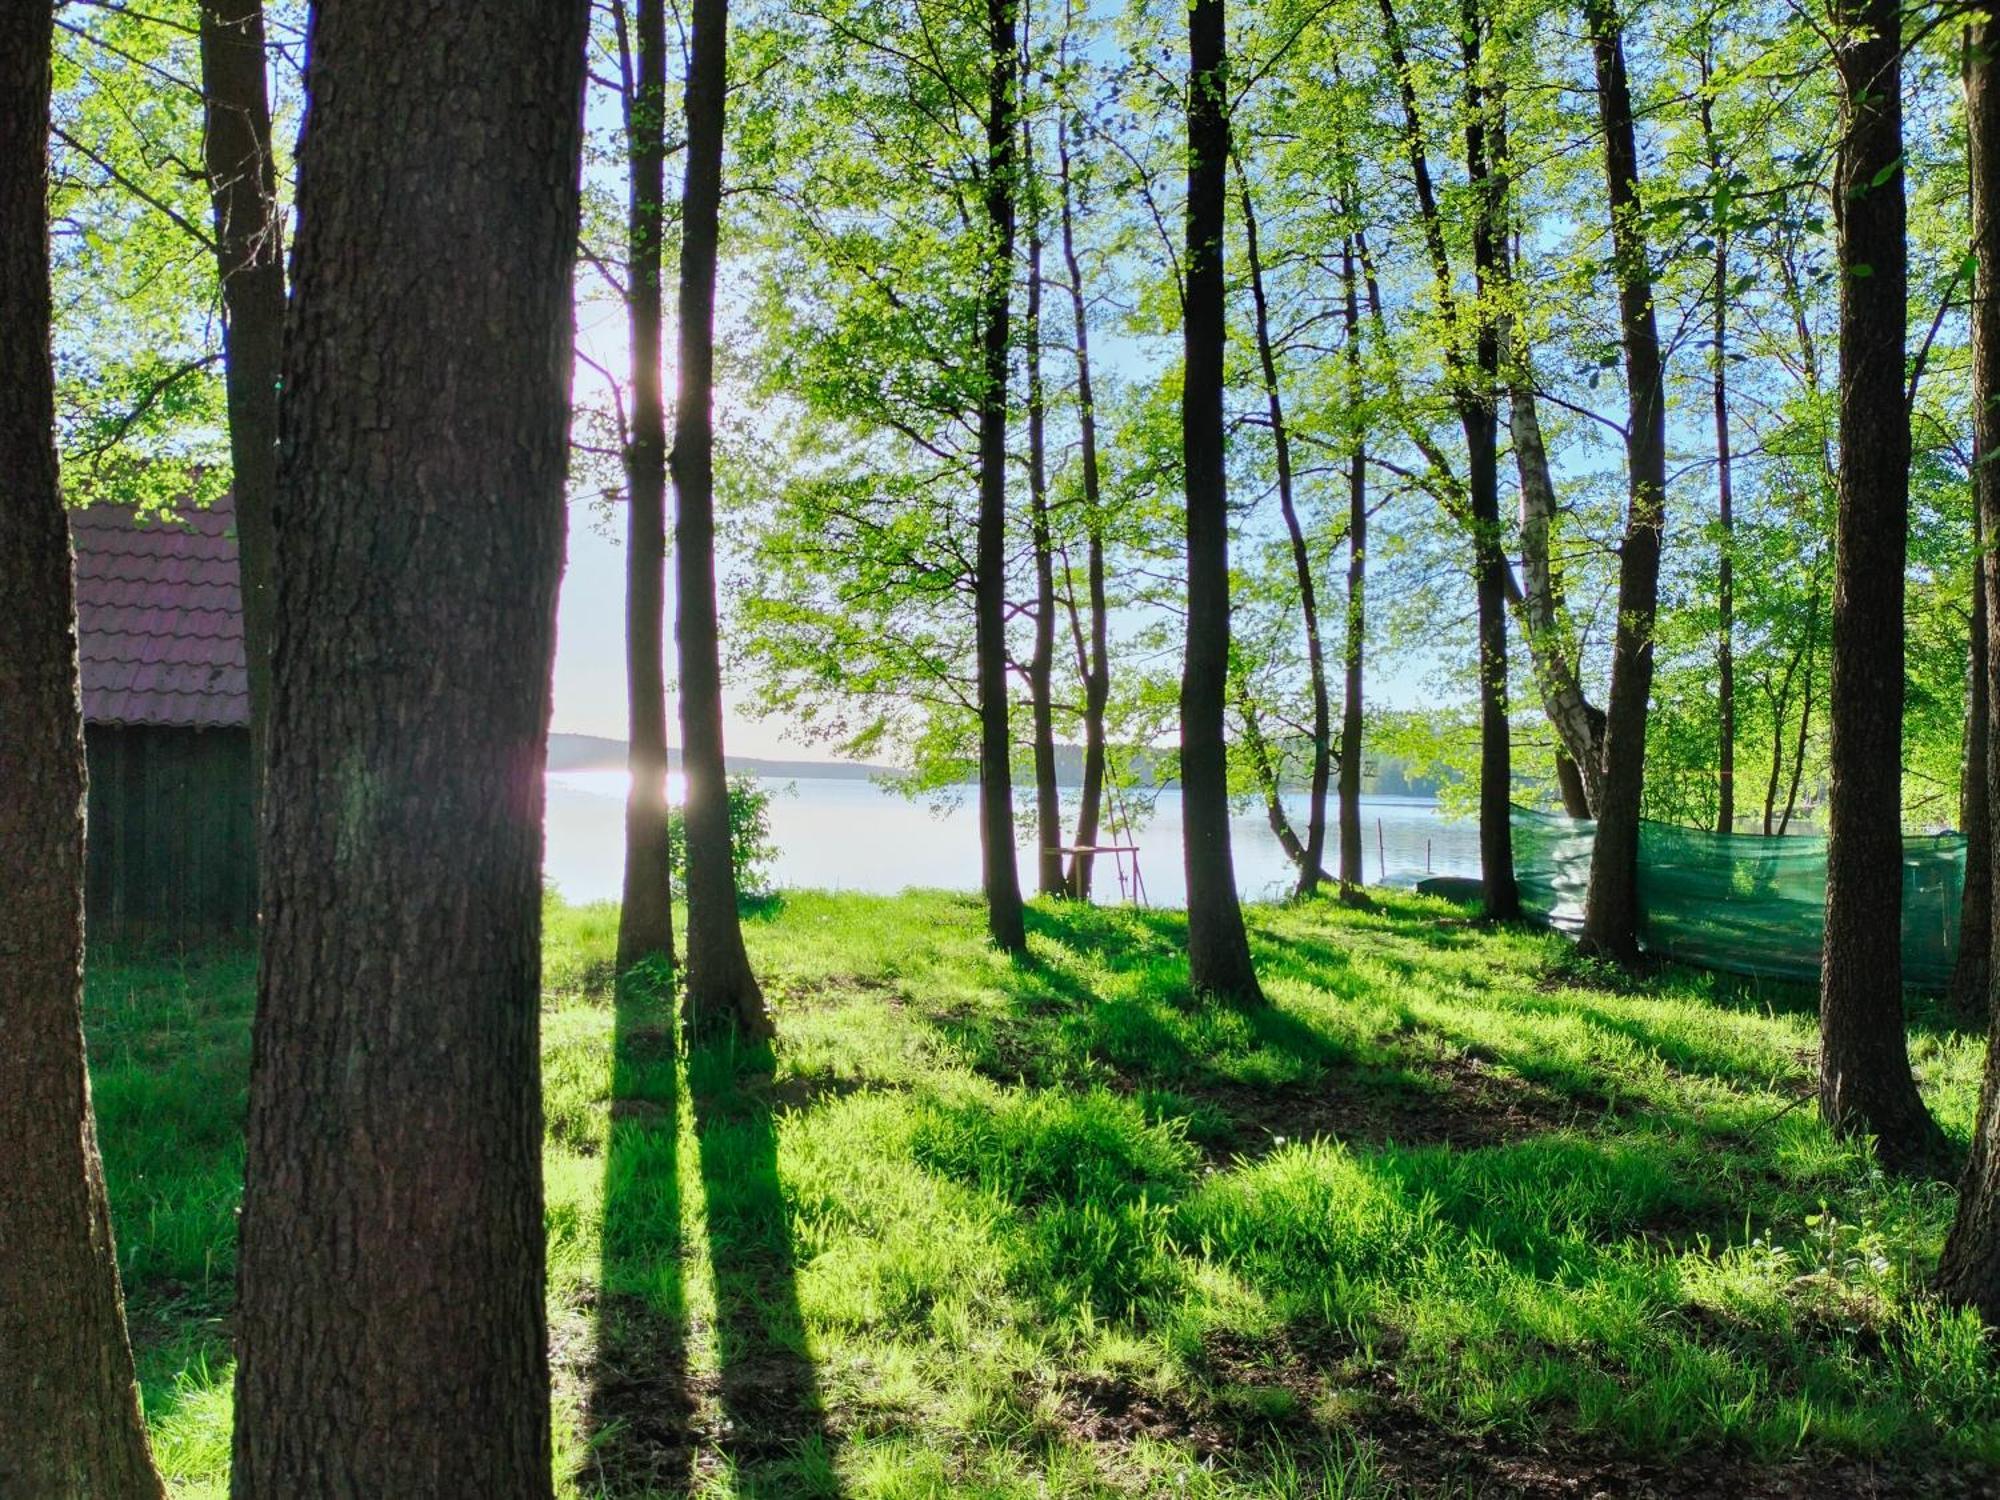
(1611, 901)
(1041, 665)
(1002, 880)
(250, 263)
(1094, 665)
(1552, 647)
(1313, 852)
(1354, 647)
(1218, 947)
(390, 1288)
(1969, 1273)
(1865, 1081)
(1579, 724)
(722, 993)
(646, 910)
(72, 1426)
(1725, 572)
(1971, 971)
(1479, 413)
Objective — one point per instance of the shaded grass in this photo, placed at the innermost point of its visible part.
(1453, 1215)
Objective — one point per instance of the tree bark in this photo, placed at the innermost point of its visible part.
(391, 1277)
(1218, 946)
(1094, 664)
(646, 909)
(1611, 901)
(1313, 851)
(1865, 1081)
(722, 993)
(72, 1426)
(1354, 647)
(1001, 877)
(1266, 771)
(1479, 414)
(250, 264)
(1969, 1272)
(1050, 880)
(1971, 972)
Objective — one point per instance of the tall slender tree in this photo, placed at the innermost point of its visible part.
(1611, 901)
(1093, 655)
(66, 1383)
(721, 989)
(1218, 946)
(1725, 463)
(391, 1278)
(1474, 395)
(1050, 878)
(250, 262)
(646, 910)
(1312, 850)
(1969, 1272)
(1479, 414)
(1001, 876)
(1865, 1082)
(1354, 648)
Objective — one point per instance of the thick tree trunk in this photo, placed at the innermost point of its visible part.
(646, 910)
(1355, 646)
(1971, 1267)
(1313, 851)
(72, 1424)
(1865, 1081)
(1611, 901)
(1479, 412)
(1969, 1273)
(722, 993)
(1001, 877)
(1218, 947)
(250, 262)
(1971, 973)
(1094, 663)
(1050, 880)
(390, 1288)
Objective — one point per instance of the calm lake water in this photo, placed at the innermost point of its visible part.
(839, 834)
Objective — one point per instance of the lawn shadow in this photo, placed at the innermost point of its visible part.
(775, 1421)
(639, 1428)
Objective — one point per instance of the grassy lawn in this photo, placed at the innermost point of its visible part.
(1453, 1217)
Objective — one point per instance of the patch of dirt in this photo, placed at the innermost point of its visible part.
(1466, 1105)
(1417, 1456)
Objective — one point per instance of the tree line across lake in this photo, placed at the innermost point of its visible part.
(1732, 267)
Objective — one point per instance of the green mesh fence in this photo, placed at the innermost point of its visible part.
(1739, 902)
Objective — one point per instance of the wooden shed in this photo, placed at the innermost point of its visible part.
(166, 709)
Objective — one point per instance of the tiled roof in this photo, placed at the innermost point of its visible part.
(160, 617)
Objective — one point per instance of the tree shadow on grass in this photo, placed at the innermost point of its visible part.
(640, 1406)
(644, 1426)
(776, 1430)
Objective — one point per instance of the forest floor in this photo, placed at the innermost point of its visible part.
(1456, 1215)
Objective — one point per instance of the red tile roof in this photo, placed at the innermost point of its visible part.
(160, 617)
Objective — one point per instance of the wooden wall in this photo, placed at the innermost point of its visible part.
(172, 853)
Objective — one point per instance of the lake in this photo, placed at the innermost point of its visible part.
(835, 833)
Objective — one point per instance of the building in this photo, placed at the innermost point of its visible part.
(166, 710)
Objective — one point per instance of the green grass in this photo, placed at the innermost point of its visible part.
(1453, 1216)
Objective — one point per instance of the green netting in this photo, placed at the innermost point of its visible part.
(1739, 902)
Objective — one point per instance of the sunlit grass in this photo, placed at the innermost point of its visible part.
(980, 1227)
